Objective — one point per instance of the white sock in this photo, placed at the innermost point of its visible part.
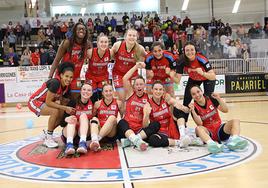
(210, 141)
(132, 137)
(177, 142)
(94, 137)
(99, 137)
(83, 138)
(139, 135)
(69, 140)
(182, 130)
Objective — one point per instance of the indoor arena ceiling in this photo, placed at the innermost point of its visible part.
(80, 2)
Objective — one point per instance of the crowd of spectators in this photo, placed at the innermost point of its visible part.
(215, 39)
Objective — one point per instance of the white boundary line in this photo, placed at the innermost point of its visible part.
(124, 168)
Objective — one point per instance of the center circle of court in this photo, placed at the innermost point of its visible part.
(113, 164)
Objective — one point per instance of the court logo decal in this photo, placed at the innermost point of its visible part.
(28, 159)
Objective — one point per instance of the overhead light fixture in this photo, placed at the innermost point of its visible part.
(185, 5)
(83, 10)
(236, 6)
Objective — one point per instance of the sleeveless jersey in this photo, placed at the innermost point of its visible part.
(161, 114)
(199, 62)
(84, 108)
(158, 66)
(124, 60)
(209, 115)
(73, 57)
(134, 111)
(104, 111)
(98, 66)
(41, 93)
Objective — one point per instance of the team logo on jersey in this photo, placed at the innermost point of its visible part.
(164, 105)
(89, 107)
(28, 159)
(113, 107)
(208, 65)
(211, 107)
(106, 59)
(144, 100)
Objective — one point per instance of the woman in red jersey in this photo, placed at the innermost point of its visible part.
(97, 72)
(49, 99)
(132, 125)
(200, 72)
(158, 110)
(161, 65)
(126, 54)
(77, 130)
(74, 50)
(209, 125)
(106, 110)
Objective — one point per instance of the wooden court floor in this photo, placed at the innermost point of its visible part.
(252, 112)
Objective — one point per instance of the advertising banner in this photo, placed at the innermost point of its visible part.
(8, 74)
(246, 83)
(33, 73)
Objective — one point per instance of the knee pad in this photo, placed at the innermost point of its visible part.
(152, 128)
(156, 140)
(122, 126)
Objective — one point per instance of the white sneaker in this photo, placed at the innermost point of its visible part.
(50, 143)
(185, 141)
(196, 141)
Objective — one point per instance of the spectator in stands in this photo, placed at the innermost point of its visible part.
(49, 32)
(125, 20)
(133, 19)
(186, 22)
(19, 32)
(156, 33)
(169, 32)
(190, 32)
(51, 54)
(63, 30)
(12, 40)
(27, 30)
(10, 27)
(156, 18)
(43, 57)
(228, 29)
(241, 31)
(113, 23)
(35, 57)
(57, 34)
(106, 22)
(26, 57)
(41, 35)
(175, 38)
(114, 35)
(138, 23)
(90, 25)
(12, 58)
(164, 39)
(252, 32)
(265, 28)
(71, 24)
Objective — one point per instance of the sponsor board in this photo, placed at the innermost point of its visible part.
(33, 73)
(8, 75)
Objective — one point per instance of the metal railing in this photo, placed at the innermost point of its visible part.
(238, 66)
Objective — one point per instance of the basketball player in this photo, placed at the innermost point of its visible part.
(161, 65)
(200, 72)
(106, 111)
(126, 54)
(77, 129)
(158, 110)
(97, 72)
(73, 49)
(132, 126)
(49, 100)
(209, 125)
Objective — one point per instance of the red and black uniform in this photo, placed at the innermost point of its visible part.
(158, 66)
(134, 111)
(210, 117)
(38, 98)
(97, 72)
(124, 61)
(106, 110)
(195, 78)
(74, 57)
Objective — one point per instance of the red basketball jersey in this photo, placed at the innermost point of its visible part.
(84, 108)
(134, 111)
(73, 57)
(97, 66)
(124, 60)
(104, 111)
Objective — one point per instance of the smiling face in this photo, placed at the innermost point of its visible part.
(103, 43)
(86, 91)
(80, 31)
(158, 91)
(66, 78)
(139, 86)
(131, 36)
(158, 52)
(197, 94)
(190, 52)
(107, 92)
